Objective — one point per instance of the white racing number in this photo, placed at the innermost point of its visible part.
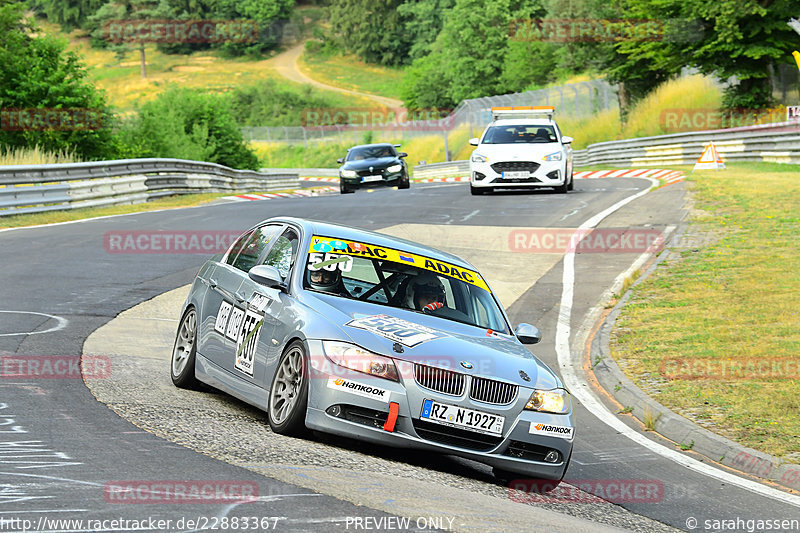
(247, 342)
(222, 317)
(330, 261)
(234, 323)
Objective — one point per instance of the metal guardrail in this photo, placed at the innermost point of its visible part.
(314, 172)
(39, 188)
(778, 143)
(437, 170)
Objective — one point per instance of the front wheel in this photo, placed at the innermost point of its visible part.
(288, 395)
(404, 183)
(571, 182)
(477, 191)
(184, 352)
(344, 189)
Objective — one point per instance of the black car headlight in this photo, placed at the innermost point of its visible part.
(349, 174)
(395, 168)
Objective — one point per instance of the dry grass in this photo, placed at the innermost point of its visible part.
(732, 302)
(349, 72)
(35, 156)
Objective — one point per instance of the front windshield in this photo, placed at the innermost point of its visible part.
(519, 134)
(370, 152)
(395, 278)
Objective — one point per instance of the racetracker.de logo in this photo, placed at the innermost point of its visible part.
(585, 241)
(586, 491)
(784, 368)
(693, 119)
(181, 31)
(385, 118)
(177, 491)
(585, 30)
(168, 242)
(55, 367)
(40, 119)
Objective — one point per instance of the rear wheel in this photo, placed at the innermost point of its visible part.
(184, 352)
(288, 395)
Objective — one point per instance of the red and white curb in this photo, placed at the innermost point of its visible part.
(666, 176)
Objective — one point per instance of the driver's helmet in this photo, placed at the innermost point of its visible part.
(325, 280)
(425, 290)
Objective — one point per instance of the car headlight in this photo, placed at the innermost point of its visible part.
(555, 156)
(395, 168)
(360, 360)
(550, 401)
(349, 174)
(478, 158)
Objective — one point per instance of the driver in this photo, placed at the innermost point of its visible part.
(425, 293)
(326, 281)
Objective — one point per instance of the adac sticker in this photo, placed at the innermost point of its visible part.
(326, 245)
(395, 329)
(550, 430)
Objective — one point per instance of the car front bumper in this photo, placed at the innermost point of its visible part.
(391, 179)
(362, 412)
(548, 174)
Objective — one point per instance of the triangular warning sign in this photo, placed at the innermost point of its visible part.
(709, 159)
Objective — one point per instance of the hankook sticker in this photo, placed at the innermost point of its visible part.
(562, 432)
(359, 389)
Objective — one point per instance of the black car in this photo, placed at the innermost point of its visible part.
(368, 165)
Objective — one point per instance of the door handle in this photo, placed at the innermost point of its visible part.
(240, 297)
(213, 283)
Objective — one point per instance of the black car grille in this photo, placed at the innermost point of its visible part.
(454, 436)
(439, 380)
(515, 166)
(526, 450)
(491, 391)
(517, 180)
(376, 172)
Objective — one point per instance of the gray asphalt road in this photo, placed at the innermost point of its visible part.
(73, 446)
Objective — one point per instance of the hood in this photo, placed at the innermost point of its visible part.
(364, 164)
(434, 341)
(519, 152)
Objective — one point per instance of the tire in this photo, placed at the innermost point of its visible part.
(343, 189)
(562, 189)
(184, 352)
(404, 183)
(288, 394)
(477, 191)
(571, 182)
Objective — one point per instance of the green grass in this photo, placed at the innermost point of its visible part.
(349, 72)
(733, 300)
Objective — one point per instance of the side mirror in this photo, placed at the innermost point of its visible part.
(402, 154)
(528, 334)
(340, 160)
(266, 275)
(474, 141)
(566, 139)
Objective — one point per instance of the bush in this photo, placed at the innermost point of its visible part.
(186, 124)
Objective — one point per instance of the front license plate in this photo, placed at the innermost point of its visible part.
(365, 179)
(459, 417)
(517, 174)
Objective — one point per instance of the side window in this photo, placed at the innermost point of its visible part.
(238, 246)
(248, 255)
(283, 253)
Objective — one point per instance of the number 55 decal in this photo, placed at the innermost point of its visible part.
(330, 262)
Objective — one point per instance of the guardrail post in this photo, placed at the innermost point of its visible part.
(446, 149)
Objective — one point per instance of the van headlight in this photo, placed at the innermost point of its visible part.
(478, 158)
(555, 156)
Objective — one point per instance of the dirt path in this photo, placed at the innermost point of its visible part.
(286, 65)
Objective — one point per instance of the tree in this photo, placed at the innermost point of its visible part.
(736, 40)
(375, 30)
(269, 15)
(116, 25)
(423, 22)
(467, 57)
(42, 80)
(187, 124)
(70, 14)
